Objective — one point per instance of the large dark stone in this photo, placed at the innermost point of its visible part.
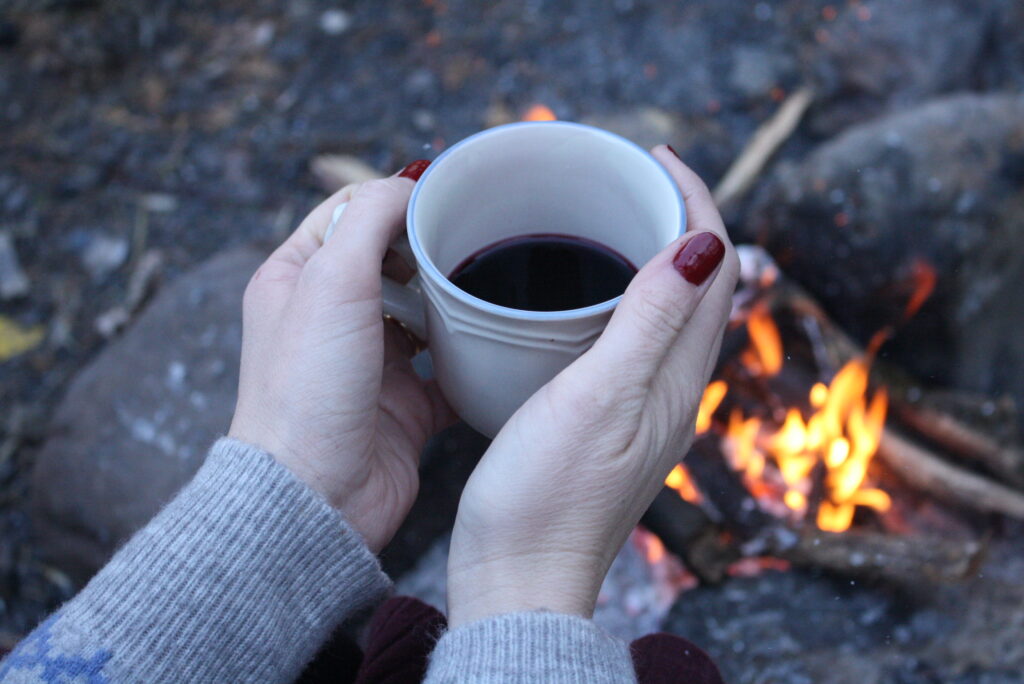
(136, 423)
(879, 57)
(941, 184)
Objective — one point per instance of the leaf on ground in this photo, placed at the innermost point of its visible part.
(16, 339)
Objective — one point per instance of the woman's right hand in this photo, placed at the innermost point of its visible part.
(567, 478)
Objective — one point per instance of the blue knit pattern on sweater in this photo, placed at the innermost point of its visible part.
(37, 659)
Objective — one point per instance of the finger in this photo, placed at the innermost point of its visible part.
(443, 414)
(397, 342)
(397, 268)
(656, 306)
(687, 367)
(701, 213)
(292, 254)
(349, 264)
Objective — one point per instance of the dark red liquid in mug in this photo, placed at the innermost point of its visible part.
(544, 272)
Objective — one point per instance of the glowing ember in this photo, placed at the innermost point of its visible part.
(654, 549)
(539, 112)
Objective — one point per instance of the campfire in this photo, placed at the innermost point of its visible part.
(809, 458)
(799, 460)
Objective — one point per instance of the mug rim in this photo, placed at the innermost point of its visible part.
(424, 262)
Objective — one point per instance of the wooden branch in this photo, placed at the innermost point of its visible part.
(335, 171)
(956, 436)
(767, 139)
(686, 531)
(929, 473)
(708, 551)
(871, 555)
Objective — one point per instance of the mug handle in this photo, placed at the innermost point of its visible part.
(403, 303)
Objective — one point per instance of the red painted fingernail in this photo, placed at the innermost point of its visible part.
(414, 170)
(699, 257)
(673, 151)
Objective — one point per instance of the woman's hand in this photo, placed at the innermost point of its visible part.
(326, 386)
(570, 474)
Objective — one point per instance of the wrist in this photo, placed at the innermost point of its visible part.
(550, 582)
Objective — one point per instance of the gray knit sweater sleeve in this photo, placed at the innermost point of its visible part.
(239, 579)
(522, 648)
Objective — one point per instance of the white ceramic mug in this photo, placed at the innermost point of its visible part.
(544, 177)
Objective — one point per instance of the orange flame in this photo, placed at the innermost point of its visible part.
(924, 278)
(765, 353)
(679, 479)
(835, 442)
(539, 112)
(842, 433)
(713, 395)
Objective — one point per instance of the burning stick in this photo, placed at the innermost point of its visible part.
(687, 531)
(871, 555)
(767, 139)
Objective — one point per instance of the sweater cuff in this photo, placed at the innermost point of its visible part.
(240, 578)
(530, 647)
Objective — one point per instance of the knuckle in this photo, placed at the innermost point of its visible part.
(377, 191)
(655, 313)
(319, 271)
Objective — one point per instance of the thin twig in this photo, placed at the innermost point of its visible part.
(767, 139)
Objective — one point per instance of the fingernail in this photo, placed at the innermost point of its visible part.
(673, 151)
(414, 170)
(699, 257)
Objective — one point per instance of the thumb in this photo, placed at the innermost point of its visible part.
(657, 304)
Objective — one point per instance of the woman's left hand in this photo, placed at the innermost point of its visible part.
(326, 386)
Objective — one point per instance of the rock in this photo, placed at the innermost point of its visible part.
(938, 187)
(13, 281)
(136, 423)
(878, 57)
(103, 255)
(1005, 66)
(10, 34)
(334, 22)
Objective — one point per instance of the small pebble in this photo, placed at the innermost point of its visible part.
(334, 22)
(13, 281)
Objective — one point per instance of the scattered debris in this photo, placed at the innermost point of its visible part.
(13, 281)
(158, 202)
(767, 139)
(16, 339)
(141, 285)
(335, 171)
